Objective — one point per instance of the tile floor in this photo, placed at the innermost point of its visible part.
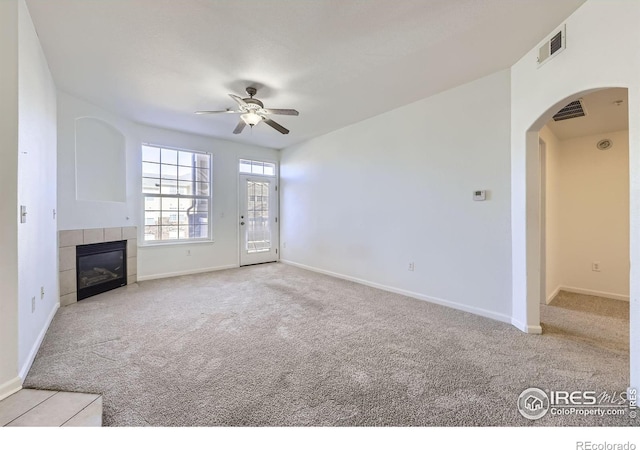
(36, 408)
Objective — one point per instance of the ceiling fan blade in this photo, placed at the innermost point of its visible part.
(239, 127)
(275, 125)
(227, 111)
(283, 112)
(239, 100)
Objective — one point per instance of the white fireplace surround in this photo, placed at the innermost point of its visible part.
(68, 240)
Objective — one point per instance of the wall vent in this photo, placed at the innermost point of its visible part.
(571, 111)
(553, 46)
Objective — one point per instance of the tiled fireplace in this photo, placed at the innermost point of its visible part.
(68, 240)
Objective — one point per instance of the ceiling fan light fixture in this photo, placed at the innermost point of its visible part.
(252, 112)
(251, 118)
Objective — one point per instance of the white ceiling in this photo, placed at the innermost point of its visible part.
(602, 115)
(335, 61)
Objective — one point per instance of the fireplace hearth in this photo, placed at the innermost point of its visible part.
(100, 267)
(69, 240)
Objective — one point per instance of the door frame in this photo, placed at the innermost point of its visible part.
(276, 179)
(543, 221)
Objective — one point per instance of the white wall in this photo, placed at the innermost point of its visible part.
(37, 238)
(364, 201)
(159, 260)
(77, 214)
(9, 380)
(595, 57)
(100, 146)
(592, 194)
(28, 260)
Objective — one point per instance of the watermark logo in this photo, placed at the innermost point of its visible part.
(533, 403)
(588, 445)
(632, 395)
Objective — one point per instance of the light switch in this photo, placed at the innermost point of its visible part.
(479, 196)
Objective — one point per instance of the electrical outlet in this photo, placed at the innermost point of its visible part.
(41, 292)
(284, 245)
(595, 266)
(411, 267)
(33, 304)
(188, 252)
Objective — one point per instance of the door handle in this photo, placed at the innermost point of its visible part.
(241, 223)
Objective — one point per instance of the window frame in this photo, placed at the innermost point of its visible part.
(276, 167)
(178, 196)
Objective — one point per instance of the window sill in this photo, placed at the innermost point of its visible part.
(174, 243)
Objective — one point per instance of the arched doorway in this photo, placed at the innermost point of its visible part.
(584, 216)
(536, 292)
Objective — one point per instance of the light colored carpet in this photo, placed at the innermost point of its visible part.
(276, 345)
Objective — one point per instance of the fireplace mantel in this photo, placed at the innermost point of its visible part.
(68, 240)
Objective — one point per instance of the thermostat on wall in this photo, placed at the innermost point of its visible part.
(479, 196)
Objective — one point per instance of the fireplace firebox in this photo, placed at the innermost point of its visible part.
(100, 267)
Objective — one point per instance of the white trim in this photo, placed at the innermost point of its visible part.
(553, 294)
(10, 387)
(529, 329)
(36, 345)
(169, 243)
(624, 298)
(459, 306)
(185, 272)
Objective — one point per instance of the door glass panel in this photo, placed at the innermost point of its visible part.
(258, 227)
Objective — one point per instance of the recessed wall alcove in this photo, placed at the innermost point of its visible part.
(100, 161)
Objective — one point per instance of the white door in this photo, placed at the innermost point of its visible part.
(258, 220)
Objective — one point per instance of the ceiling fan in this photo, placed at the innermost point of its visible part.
(254, 112)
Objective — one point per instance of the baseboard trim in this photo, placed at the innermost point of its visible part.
(529, 329)
(10, 387)
(36, 345)
(158, 276)
(624, 298)
(553, 294)
(438, 301)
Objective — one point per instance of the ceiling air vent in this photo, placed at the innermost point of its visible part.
(571, 111)
(553, 46)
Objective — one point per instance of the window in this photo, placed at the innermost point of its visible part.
(257, 167)
(176, 187)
